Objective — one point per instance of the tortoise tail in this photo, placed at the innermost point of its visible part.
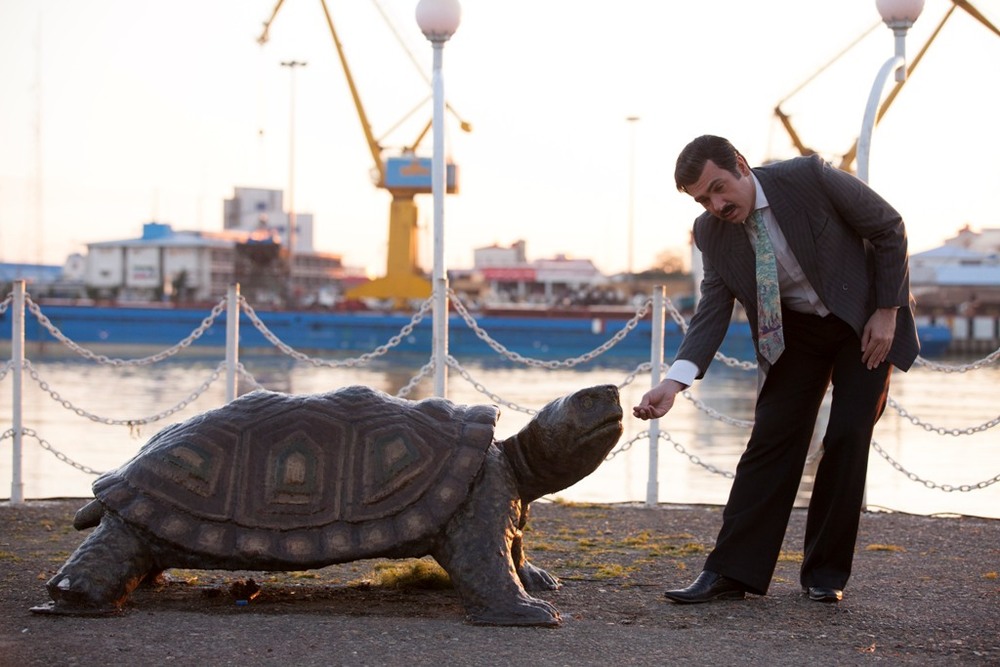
(89, 515)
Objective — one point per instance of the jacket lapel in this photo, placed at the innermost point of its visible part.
(732, 256)
(792, 215)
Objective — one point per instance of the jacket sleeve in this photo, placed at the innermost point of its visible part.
(880, 225)
(710, 322)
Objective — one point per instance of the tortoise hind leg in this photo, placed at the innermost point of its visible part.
(476, 553)
(98, 577)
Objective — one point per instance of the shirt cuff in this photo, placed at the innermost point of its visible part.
(683, 371)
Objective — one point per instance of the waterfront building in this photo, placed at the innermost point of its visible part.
(198, 266)
(960, 277)
(504, 275)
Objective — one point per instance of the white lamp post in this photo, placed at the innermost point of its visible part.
(438, 20)
(898, 15)
(291, 65)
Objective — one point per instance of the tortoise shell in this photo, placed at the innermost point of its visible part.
(304, 479)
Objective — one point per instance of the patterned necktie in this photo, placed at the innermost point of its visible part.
(770, 339)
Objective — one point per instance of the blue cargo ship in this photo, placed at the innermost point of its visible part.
(544, 335)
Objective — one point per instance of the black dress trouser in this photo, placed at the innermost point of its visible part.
(818, 351)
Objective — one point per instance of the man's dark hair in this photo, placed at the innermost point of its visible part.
(691, 161)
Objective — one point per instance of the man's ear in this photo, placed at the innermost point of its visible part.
(742, 165)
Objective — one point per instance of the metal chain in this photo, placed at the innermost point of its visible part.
(499, 348)
(695, 459)
(644, 367)
(424, 371)
(246, 375)
(878, 448)
(131, 423)
(962, 368)
(9, 433)
(452, 362)
(940, 430)
(926, 482)
(338, 363)
(481, 388)
(205, 325)
(715, 414)
(625, 446)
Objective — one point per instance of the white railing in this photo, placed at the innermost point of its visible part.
(20, 303)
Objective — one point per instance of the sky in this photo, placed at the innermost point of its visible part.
(114, 113)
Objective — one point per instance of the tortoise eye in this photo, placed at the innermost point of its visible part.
(588, 402)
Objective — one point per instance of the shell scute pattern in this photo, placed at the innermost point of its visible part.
(347, 473)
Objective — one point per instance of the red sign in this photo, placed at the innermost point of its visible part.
(509, 274)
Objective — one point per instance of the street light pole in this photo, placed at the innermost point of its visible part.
(291, 65)
(900, 16)
(631, 195)
(438, 20)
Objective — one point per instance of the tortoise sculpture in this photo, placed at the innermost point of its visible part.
(274, 481)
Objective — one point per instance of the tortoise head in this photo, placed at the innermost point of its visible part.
(566, 441)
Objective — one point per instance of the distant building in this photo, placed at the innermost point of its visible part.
(49, 280)
(986, 241)
(252, 209)
(504, 275)
(962, 276)
(162, 264)
(32, 274)
(198, 266)
(495, 255)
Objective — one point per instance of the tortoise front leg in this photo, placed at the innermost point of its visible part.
(476, 553)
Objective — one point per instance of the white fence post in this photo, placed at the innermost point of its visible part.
(17, 372)
(655, 360)
(232, 339)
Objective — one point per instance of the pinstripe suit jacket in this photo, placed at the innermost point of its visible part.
(850, 243)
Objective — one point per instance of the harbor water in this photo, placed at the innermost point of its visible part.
(936, 449)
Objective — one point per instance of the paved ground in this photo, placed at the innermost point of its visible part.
(924, 591)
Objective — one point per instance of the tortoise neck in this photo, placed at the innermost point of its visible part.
(530, 468)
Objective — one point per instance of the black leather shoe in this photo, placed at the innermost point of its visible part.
(708, 586)
(823, 594)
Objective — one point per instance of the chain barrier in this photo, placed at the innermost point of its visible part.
(9, 433)
(940, 430)
(133, 424)
(715, 414)
(496, 398)
(481, 388)
(644, 367)
(627, 445)
(961, 368)
(379, 351)
(248, 376)
(426, 370)
(499, 348)
(696, 460)
(927, 483)
(205, 325)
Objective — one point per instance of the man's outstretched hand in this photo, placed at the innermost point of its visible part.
(657, 401)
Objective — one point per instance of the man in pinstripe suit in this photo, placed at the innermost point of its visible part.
(846, 317)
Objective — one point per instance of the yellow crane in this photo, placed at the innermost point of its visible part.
(403, 176)
(847, 159)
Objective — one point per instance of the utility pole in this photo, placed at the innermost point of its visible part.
(632, 120)
(291, 65)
